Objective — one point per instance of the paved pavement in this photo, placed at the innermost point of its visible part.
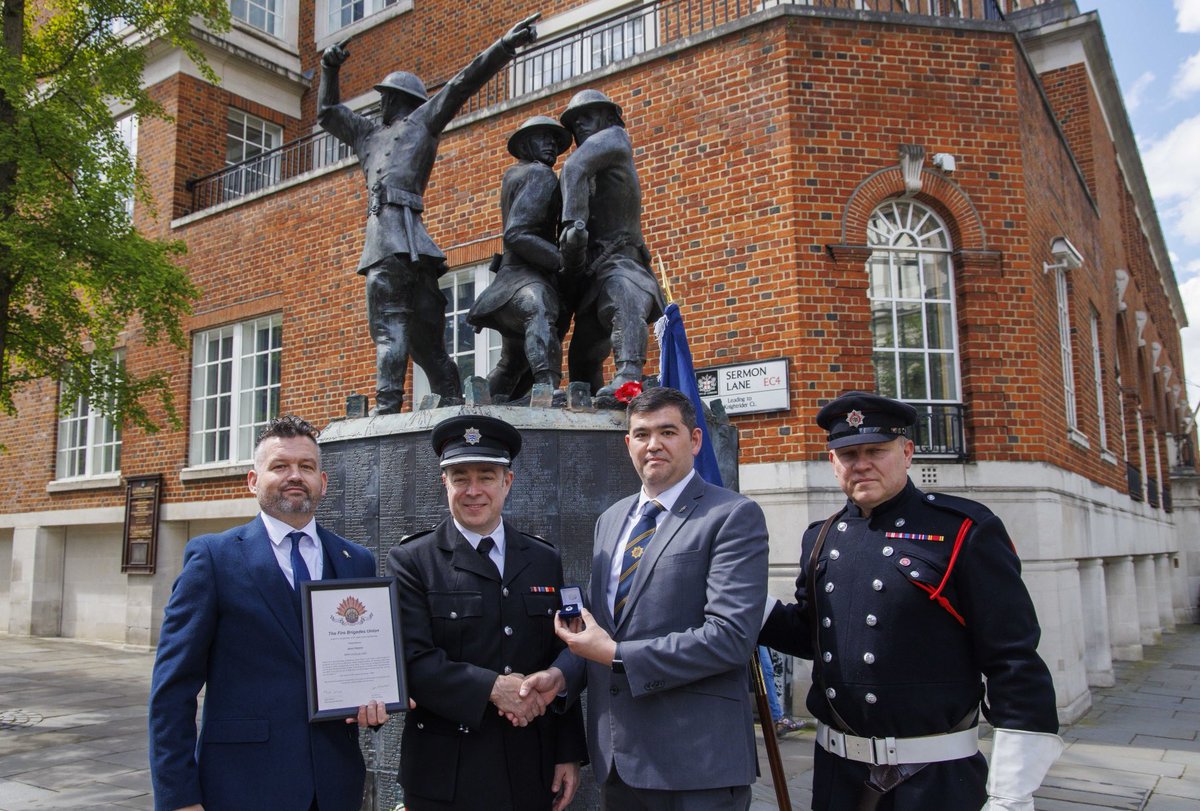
(73, 721)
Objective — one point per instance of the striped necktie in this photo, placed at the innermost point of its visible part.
(643, 531)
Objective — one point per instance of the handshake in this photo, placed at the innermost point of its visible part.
(521, 699)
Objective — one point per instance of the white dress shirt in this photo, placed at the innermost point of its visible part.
(497, 536)
(667, 499)
(281, 545)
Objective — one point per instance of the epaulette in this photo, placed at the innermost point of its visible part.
(958, 505)
(414, 536)
(538, 538)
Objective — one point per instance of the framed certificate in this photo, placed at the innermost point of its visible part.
(353, 649)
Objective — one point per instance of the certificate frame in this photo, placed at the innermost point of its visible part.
(352, 654)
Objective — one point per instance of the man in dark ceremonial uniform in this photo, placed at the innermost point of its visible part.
(478, 599)
(904, 602)
(523, 303)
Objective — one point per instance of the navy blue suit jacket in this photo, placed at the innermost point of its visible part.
(231, 627)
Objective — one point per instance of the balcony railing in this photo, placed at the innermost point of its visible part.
(558, 59)
(939, 431)
(1133, 478)
(1152, 491)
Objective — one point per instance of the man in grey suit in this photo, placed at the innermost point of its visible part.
(679, 574)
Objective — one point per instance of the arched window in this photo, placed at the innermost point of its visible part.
(915, 344)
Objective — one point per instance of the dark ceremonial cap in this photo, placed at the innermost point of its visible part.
(475, 438)
(857, 418)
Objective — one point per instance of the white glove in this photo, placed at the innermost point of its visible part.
(1020, 761)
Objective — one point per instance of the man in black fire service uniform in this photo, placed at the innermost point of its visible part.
(478, 598)
(904, 602)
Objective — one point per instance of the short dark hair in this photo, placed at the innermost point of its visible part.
(660, 397)
(286, 427)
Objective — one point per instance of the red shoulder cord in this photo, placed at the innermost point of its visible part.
(937, 593)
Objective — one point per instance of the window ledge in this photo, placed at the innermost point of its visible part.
(199, 474)
(1108, 456)
(355, 28)
(84, 483)
(1080, 439)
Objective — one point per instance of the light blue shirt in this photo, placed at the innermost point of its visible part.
(497, 536)
(667, 499)
(281, 545)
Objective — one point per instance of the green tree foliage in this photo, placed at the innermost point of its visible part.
(74, 274)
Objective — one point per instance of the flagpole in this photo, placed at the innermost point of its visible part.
(666, 283)
(758, 684)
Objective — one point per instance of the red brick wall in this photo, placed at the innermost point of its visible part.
(754, 151)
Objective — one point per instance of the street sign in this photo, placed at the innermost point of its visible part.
(746, 388)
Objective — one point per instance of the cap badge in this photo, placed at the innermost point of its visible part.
(472, 436)
(854, 418)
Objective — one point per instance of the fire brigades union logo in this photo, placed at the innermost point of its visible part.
(472, 436)
(854, 418)
(351, 611)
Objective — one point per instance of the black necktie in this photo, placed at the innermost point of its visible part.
(484, 549)
(643, 531)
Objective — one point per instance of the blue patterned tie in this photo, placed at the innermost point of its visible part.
(299, 567)
(643, 531)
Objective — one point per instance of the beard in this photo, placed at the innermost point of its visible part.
(281, 503)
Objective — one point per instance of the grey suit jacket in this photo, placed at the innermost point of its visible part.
(679, 718)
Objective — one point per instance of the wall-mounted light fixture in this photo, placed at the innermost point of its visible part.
(1065, 256)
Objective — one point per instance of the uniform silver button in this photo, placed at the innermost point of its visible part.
(828, 587)
(915, 573)
(869, 658)
(872, 620)
(827, 622)
(549, 612)
(877, 585)
(834, 554)
(420, 724)
(504, 591)
(905, 561)
(830, 692)
(508, 630)
(828, 657)
(888, 551)
(899, 522)
(507, 669)
(871, 698)
(453, 615)
(841, 526)
(929, 497)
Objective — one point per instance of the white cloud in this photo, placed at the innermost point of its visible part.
(1173, 169)
(1133, 97)
(1189, 290)
(1187, 78)
(1187, 15)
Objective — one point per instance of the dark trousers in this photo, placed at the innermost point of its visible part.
(616, 795)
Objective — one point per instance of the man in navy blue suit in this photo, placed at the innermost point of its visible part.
(232, 626)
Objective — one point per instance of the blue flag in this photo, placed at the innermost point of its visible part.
(676, 372)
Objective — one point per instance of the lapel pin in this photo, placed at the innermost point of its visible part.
(345, 553)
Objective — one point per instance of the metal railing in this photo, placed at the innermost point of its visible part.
(1133, 479)
(580, 51)
(939, 431)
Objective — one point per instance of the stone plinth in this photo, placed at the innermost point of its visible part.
(384, 483)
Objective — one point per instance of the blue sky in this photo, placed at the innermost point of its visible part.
(1155, 48)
